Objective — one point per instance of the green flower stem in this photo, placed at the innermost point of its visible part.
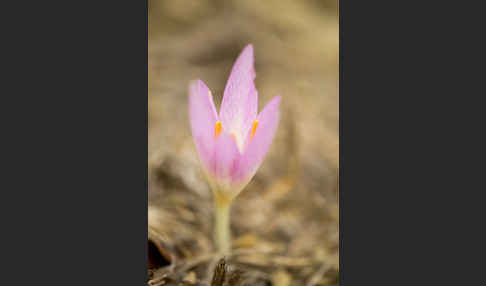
(222, 225)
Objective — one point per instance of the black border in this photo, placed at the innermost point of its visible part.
(75, 208)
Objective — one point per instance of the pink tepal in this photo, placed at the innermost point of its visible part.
(232, 144)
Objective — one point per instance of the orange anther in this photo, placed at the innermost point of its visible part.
(217, 129)
(253, 129)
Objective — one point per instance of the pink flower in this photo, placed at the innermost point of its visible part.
(231, 145)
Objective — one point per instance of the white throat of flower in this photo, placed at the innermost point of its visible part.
(237, 136)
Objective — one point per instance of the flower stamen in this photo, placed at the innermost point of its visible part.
(253, 129)
(238, 142)
(217, 129)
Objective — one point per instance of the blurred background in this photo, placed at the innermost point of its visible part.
(285, 222)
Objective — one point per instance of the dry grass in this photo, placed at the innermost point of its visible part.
(285, 223)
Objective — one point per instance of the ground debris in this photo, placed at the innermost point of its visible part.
(285, 222)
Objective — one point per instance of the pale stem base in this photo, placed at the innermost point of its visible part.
(222, 226)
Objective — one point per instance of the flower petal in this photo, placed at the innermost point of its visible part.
(240, 99)
(225, 158)
(258, 147)
(203, 118)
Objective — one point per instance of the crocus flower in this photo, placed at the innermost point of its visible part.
(232, 144)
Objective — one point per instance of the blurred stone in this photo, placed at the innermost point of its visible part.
(281, 278)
